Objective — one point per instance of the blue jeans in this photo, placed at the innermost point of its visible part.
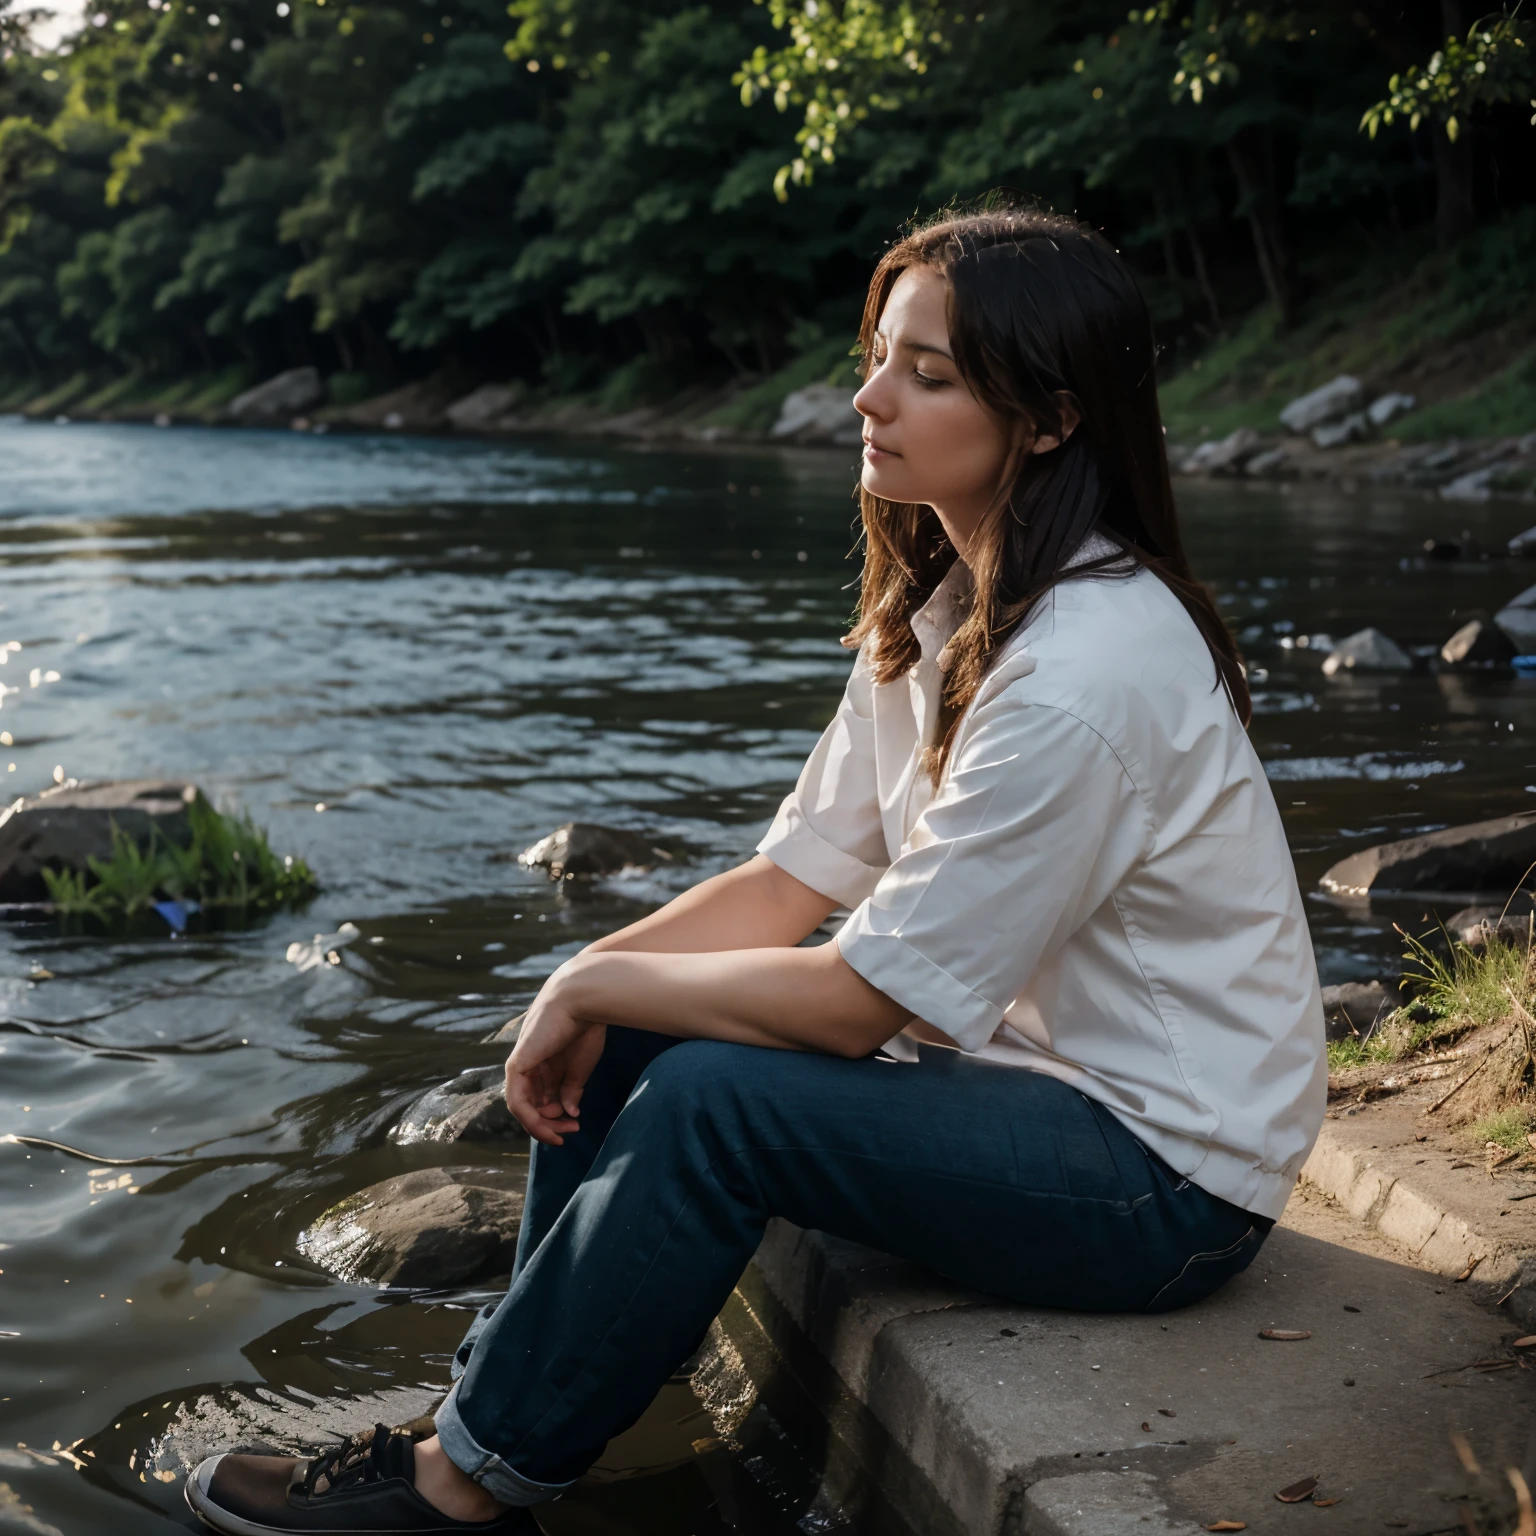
(636, 1230)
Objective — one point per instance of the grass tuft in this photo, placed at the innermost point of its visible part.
(227, 863)
(1507, 1128)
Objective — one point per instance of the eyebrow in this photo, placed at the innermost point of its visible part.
(915, 346)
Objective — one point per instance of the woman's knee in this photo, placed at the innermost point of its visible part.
(693, 1073)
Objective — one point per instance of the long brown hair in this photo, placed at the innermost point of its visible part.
(1039, 306)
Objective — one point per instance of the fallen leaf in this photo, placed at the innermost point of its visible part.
(1168, 1413)
(1297, 1491)
(1284, 1335)
(1528, 1342)
(1145, 1427)
(1228, 1525)
(1466, 1274)
(1324, 1503)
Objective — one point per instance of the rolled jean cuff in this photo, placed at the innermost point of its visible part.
(486, 1467)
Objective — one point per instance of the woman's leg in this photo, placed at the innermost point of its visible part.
(555, 1173)
(1005, 1180)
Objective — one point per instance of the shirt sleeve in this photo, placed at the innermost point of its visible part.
(828, 832)
(1034, 826)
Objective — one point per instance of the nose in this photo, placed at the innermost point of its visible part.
(870, 401)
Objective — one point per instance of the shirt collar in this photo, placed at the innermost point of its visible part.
(936, 621)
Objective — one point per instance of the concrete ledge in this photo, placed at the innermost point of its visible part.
(993, 1420)
(1451, 1226)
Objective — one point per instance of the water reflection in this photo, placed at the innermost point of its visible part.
(409, 660)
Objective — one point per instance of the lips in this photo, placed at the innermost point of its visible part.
(871, 446)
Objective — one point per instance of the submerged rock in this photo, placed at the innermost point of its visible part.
(1477, 643)
(1524, 544)
(1492, 856)
(432, 1228)
(1338, 397)
(587, 848)
(63, 828)
(469, 1107)
(288, 394)
(1353, 1007)
(1367, 650)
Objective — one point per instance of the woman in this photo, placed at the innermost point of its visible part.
(1067, 1048)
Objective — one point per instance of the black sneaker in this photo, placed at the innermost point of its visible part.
(363, 1487)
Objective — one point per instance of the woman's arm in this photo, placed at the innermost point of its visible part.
(791, 999)
(754, 906)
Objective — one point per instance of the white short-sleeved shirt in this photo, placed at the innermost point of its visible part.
(1099, 889)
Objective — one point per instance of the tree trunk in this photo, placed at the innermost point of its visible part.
(1252, 163)
(1455, 208)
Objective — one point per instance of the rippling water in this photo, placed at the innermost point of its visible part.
(408, 659)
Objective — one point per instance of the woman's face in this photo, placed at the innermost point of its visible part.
(927, 438)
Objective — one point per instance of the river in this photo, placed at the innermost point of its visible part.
(409, 659)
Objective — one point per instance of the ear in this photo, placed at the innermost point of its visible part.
(1071, 418)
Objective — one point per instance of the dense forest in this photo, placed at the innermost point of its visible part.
(635, 195)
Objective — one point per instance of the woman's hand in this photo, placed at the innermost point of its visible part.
(549, 1066)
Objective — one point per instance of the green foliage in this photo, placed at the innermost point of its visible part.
(1468, 990)
(1493, 64)
(1509, 1128)
(617, 196)
(226, 863)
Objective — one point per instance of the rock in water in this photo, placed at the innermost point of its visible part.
(1354, 428)
(1225, 456)
(469, 1107)
(1367, 650)
(288, 394)
(1475, 644)
(1517, 618)
(432, 1228)
(1492, 856)
(62, 828)
(1510, 921)
(585, 848)
(820, 413)
(1524, 544)
(1353, 1007)
(479, 409)
(1332, 400)
(1385, 408)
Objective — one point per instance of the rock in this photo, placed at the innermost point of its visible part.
(586, 848)
(1385, 408)
(1226, 456)
(508, 1033)
(1354, 1007)
(1485, 856)
(1517, 618)
(1334, 434)
(1367, 650)
(1442, 549)
(1510, 921)
(1477, 643)
(1475, 485)
(481, 407)
(432, 1228)
(1270, 463)
(62, 828)
(419, 407)
(469, 1107)
(820, 413)
(1524, 544)
(289, 394)
(1332, 400)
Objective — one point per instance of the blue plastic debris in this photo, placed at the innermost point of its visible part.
(176, 913)
(1523, 663)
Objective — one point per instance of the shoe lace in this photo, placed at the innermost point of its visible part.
(370, 1457)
